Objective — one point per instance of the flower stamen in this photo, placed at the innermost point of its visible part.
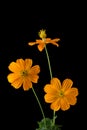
(24, 73)
(61, 93)
(42, 34)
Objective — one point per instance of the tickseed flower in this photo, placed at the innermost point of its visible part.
(23, 73)
(61, 96)
(43, 41)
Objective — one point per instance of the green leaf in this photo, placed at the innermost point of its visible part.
(49, 125)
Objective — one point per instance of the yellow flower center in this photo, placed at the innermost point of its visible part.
(42, 34)
(24, 73)
(61, 93)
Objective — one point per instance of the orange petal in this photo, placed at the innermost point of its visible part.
(64, 104)
(27, 84)
(14, 67)
(56, 84)
(48, 40)
(41, 47)
(71, 99)
(56, 39)
(56, 105)
(54, 42)
(32, 43)
(49, 98)
(48, 89)
(28, 64)
(12, 77)
(20, 62)
(34, 78)
(35, 69)
(72, 91)
(67, 84)
(39, 41)
(17, 83)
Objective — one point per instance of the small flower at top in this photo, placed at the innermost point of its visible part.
(43, 41)
(23, 73)
(61, 96)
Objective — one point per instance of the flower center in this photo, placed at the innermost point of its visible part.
(24, 73)
(61, 93)
(42, 34)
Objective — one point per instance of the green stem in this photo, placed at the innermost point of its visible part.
(48, 59)
(48, 62)
(53, 117)
(39, 105)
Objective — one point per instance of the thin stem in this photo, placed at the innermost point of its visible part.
(48, 62)
(53, 117)
(50, 76)
(39, 105)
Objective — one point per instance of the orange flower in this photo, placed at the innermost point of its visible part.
(23, 73)
(60, 96)
(43, 41)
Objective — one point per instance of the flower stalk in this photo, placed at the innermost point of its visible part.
(39, 105)
(50, 70)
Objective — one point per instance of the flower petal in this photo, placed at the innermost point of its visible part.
(71, 99)
(39, 41)
(32, 43)
(55, 105)
(12, 77)
(56, 39)
(28, 64)
(49, 98)
(34, 70)
(20, 62)
(67, 83)
(64, 104)
(72, 91)
(14, 67)
(27, 84)
(49, 89)
(41, 47)
(56, 84)
(17, 83)
(34, 78)
(47, 40)
(54, 42)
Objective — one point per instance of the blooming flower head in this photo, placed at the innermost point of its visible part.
(61, 96)
(23, 73)
(43, 41)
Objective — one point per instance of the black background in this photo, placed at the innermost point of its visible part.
(20, 24)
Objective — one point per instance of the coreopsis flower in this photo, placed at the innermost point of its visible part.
(43, 41)
(23, 73)
(61, 96)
